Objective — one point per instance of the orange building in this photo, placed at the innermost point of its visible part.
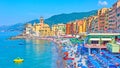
(72, 31)
(75, 27)
(68, 31)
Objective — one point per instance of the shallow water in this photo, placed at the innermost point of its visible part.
(36, 53)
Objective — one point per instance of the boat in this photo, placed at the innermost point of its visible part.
(21, 43)
(18, 60)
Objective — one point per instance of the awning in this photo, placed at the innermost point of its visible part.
(106, 39)
(95, 39)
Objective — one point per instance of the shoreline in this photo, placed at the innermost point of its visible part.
(59, 47)
(60, 54)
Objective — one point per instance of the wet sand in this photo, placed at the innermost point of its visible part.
(61, 62)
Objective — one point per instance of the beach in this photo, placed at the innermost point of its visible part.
(63, 45)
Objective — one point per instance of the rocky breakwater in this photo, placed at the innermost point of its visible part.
(21, 36)
(17, 37)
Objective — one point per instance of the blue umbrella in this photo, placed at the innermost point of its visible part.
(80, 60)
(79, 65)
(69, 61)
(64, 50)
(84, 67)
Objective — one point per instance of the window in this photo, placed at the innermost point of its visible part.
(118, 15)
(94, 42)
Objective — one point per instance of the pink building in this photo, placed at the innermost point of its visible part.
(114, 17)
(118, 16)
(103, 20)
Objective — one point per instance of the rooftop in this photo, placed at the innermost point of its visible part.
(104, 34)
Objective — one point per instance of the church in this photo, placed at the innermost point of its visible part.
(41, 29)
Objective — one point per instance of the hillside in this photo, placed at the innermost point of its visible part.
(65, 18)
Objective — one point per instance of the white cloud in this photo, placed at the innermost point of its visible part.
(103, 3)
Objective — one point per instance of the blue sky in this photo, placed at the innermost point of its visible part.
(20, 11)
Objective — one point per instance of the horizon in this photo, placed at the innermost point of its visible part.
(31, 9)
(43, 17)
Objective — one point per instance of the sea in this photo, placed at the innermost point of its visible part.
(36, 53)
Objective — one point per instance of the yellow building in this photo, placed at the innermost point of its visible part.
(42, 29)
(45, 30)
(58, 29)
(81, 26)
(54, 29)
(84, 25)
(89, 24)
(61, 29)
(37, 28)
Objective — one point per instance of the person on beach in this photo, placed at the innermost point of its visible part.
(58, 63)
(74, 65)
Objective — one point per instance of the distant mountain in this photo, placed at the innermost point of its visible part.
(65, 18)
(3, 28)
(17, 27)
(34, 21)
(61, 18)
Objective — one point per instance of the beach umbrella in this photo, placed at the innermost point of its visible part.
(64, 50)
(84, 67)
(79, 47)
(80, 64)
(80, 60)
(94, 52)
(69, 61)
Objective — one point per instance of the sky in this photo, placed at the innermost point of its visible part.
(20, 11)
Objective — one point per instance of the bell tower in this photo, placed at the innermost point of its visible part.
(41, 20)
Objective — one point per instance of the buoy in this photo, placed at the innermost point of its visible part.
(18, 60)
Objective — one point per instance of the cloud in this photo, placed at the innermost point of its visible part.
(103, 3)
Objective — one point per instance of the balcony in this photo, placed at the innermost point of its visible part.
(95, 46)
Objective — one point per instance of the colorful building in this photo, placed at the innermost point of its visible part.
(84, 24)
(59, 29)
(113, 48)
(42, 29)
(100, 40)
(89, 24)
(81, 26)
(72, 31)
(28, 29)
(68, 27)
(45, 30)
(55, 30)
(103, 20)
(118, 16)
(114, 17)
(94, 24)
(75, 27)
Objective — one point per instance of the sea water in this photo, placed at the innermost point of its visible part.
(36, 53)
